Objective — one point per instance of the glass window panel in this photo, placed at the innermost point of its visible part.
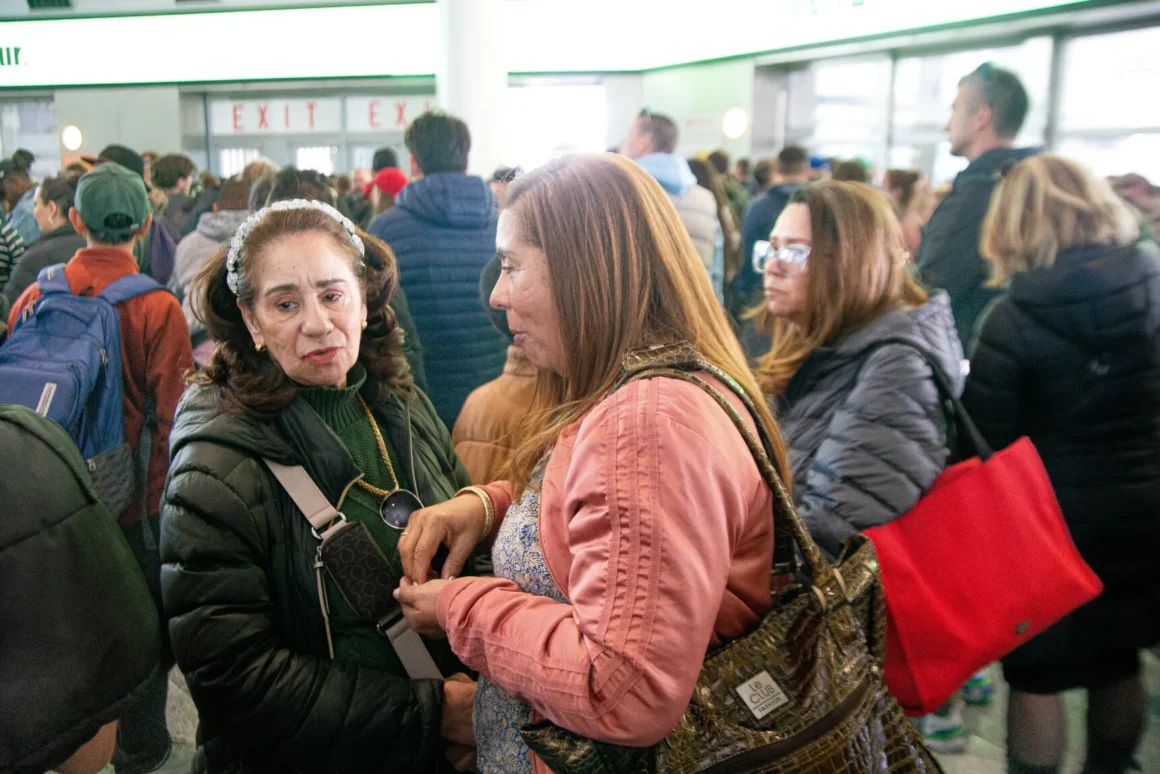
(231, 161)
(320, 158)
(1116, 155)
(925, 88)
(31, 125)
(839, 107)
(1108, 81)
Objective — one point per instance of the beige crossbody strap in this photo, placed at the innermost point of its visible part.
(408, 645)
(306, 495)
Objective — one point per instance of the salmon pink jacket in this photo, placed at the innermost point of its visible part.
(657, 527)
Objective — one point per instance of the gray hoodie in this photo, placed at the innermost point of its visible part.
(214, 229)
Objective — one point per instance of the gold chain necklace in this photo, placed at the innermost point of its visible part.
(383, 451)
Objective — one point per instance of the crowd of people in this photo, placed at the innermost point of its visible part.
(421, 373)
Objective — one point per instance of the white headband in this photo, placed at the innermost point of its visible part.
(234, 258)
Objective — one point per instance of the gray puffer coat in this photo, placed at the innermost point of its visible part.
(864, 423)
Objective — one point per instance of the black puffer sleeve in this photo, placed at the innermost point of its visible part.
(293, 710)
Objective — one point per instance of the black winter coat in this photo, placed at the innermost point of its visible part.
(79, 633)
(1071, 358)
(865, 425)
(241, 596)
(948, 256)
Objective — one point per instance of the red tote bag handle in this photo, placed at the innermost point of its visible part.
(981, 564)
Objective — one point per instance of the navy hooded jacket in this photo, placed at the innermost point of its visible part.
(442, 231)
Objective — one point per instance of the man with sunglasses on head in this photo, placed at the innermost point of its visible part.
(985, 118)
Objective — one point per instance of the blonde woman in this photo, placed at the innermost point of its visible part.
(1071, 358)
(635, 531)
(848, 370)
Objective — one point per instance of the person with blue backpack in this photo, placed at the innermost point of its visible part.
(103, 350)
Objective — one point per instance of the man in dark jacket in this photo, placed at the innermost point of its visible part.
(986, 116)
(760, 218)
(81, 635)
(442, 231)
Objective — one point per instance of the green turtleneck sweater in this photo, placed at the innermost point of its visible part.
(356, 641)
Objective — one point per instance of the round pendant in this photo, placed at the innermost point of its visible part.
(397, 507)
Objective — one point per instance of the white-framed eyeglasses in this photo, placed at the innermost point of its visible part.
(789, 261)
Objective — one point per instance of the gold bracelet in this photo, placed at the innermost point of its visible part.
(488, 508)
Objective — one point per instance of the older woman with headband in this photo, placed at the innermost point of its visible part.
(287, 673)
(634, 532)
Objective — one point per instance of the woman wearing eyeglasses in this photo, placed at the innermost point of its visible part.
(308, 371)
(847, 371)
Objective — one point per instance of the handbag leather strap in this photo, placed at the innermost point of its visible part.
(967, 433)
(409, 647)
(680, 361)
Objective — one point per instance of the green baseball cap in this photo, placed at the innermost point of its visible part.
(113, 203)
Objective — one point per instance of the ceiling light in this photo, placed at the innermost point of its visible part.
(71, 137)
(735, 123)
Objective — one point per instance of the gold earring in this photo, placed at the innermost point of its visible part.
(259, 346)
(364, 325)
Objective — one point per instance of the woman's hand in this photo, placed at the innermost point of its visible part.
(419, 603)
(457, 726)
(457, 524)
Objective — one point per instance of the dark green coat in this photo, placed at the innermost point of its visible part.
(242, 602)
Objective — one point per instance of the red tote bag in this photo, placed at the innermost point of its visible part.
(983, 563)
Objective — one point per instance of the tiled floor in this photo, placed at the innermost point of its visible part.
(985, 753)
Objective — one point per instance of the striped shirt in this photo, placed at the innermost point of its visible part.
(11, 248)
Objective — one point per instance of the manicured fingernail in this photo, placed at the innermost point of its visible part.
(395, 593)
(450, 577)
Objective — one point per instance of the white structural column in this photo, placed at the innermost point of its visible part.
(472, 77)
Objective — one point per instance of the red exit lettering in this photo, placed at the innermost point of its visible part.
(237, 115)
(263, 123)
(310, 112)
(401, 113)
(373, 113)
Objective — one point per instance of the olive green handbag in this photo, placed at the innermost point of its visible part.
(804, 691)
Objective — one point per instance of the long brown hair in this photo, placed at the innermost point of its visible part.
(905, 181)
(248, 380)
(623, 274)
(857, 270)
(707, 177)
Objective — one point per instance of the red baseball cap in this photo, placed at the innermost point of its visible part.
(390, 180)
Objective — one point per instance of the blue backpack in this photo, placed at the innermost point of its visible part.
(63, 360)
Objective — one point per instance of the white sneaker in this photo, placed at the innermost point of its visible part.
(944, 731)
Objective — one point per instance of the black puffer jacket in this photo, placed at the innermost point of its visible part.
(865, 424)
(242, 601)
(80, 635)
(1071, 358)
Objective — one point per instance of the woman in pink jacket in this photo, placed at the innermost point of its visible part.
(634, 532)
